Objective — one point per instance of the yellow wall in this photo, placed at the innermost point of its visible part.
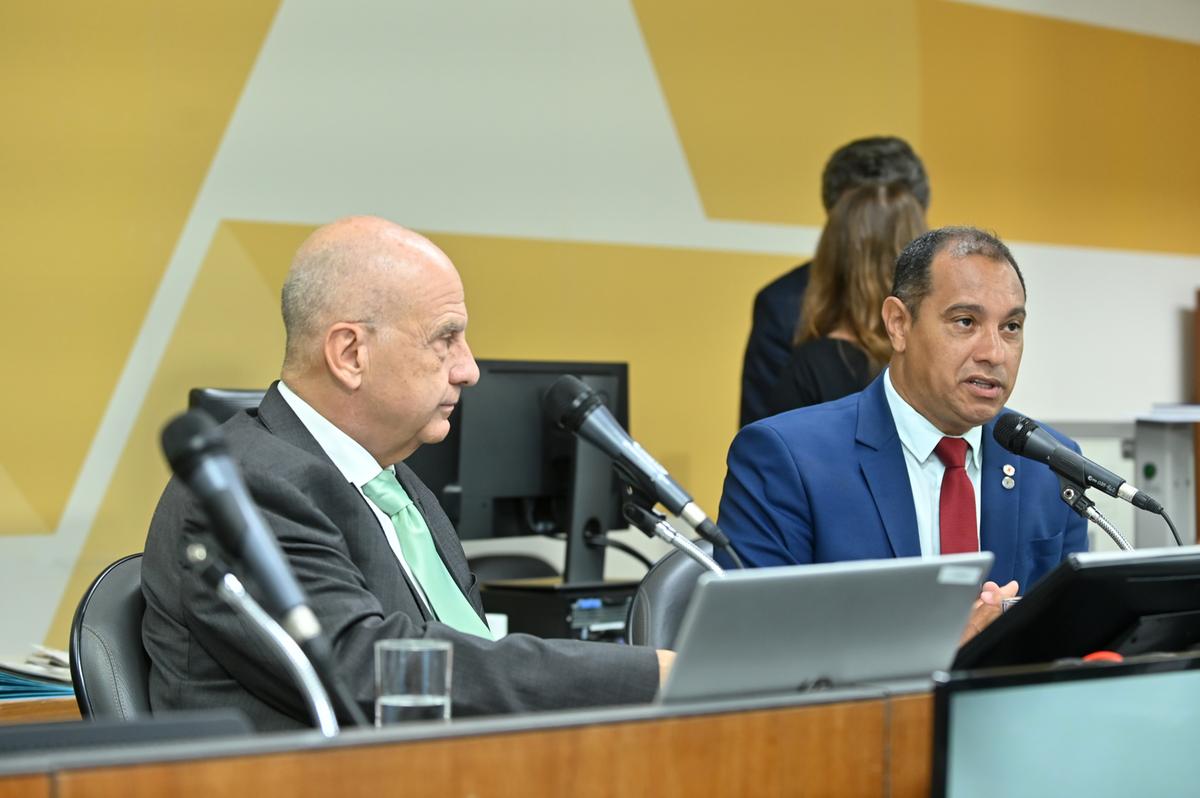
(1045, 130)
(112, 114)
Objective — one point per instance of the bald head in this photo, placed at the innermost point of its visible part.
(376, 321)
(354, 269)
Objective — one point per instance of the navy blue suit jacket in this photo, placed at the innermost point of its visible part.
(828, 483)
(776, 312)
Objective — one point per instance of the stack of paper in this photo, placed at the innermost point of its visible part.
(42, 674)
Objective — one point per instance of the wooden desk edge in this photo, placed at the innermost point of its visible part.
(38, 710)
(900, 763)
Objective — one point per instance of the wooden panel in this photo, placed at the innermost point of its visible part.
(910, 744)
(37, 786)
(1196, 356)
(821, 750)
(40, 710)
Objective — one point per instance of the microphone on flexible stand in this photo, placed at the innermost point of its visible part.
(573, 405)
(653, 524)
(1022, 436)
(195, 449)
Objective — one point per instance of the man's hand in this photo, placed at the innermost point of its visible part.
(987, 608)
(665, 660)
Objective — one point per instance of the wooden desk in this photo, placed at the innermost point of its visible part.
(36, 786)
(38, 710)
(878, 746)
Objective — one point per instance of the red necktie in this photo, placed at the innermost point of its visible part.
(956, 506)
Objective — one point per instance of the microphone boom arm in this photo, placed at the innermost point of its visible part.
(1074, 496)
(655, 525)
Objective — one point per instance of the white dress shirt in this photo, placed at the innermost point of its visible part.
(918, 437)
(357, 466)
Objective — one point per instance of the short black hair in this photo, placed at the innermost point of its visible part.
(912, 282)
(878, 159)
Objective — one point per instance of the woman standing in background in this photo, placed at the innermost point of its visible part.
(840, 343)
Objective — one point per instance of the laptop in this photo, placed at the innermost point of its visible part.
(780, 630)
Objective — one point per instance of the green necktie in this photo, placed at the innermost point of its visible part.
(445, 596)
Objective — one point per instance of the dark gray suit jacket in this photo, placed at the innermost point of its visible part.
(202, 656)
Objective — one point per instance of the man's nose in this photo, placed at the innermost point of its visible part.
(465, 370)
(990, 348)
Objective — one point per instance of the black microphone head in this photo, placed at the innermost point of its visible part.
(1021, 435)
(568, 401)
(188, 436)
(1007, 431)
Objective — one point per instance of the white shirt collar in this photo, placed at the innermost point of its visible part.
(355, 462)
(917, 433)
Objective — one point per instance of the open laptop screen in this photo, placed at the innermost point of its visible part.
(1100, 729)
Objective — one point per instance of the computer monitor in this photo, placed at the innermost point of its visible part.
(505, 470)
(1128, 602)
(1091, 729)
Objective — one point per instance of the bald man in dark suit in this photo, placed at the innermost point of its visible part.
(376, 360)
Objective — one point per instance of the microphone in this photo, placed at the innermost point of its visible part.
(1022, 436)
(573, 405)
(196, 451)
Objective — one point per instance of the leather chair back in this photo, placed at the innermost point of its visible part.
(658, 605)
(224, 403)
(109, 667)
(493, 567)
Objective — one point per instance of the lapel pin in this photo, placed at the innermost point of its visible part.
(1008, 470)
(1009, 483)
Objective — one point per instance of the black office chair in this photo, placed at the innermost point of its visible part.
(493, 567)
(223, 403)
(658, 605)
(109, 667)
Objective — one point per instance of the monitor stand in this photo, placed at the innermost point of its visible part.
(581, 605)
(591, 498)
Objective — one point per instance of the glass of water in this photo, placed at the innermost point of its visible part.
(412, 680)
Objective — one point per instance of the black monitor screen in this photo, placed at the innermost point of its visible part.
(505, 470)
(1128, 602)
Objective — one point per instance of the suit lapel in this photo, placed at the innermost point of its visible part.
(998, 506)
(882, 463)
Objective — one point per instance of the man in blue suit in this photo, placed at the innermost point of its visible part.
(865, 477)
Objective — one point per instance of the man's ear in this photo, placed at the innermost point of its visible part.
(346, 353)
(897, 321)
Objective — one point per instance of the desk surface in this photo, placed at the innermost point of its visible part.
(868, 744)
(38, 710)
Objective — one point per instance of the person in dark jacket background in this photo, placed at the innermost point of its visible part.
(875, 160)
(840, 342)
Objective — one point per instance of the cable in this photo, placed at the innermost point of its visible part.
(625, 547)
(1175, 532)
